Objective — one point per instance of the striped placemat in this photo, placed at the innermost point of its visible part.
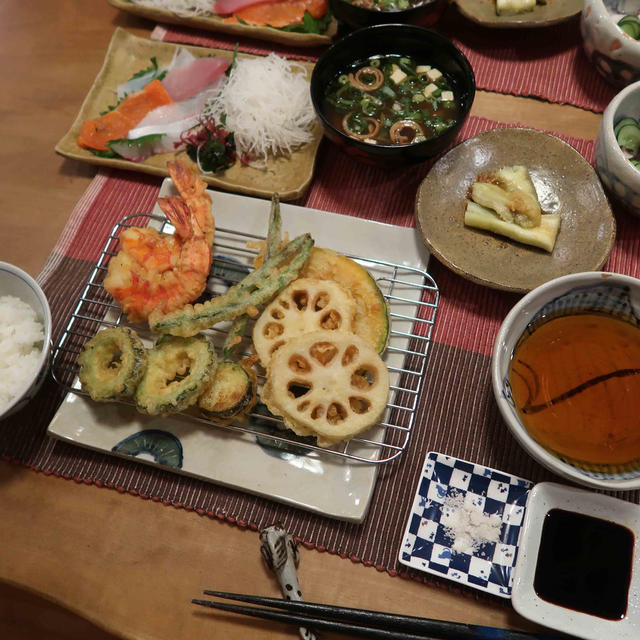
(547, 63)
(457, 414)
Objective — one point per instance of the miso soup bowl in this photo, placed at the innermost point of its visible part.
(393, 39)
(590, 291)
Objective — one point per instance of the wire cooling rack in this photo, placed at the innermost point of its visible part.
(412, 297)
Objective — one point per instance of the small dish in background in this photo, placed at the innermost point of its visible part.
(613, 53)
(17, 283)
(566, 184)
(544, 498)
(427, 544)
(616, 171)
(424, 13)
(484, 13)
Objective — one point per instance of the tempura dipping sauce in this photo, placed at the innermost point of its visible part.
(584, 563)
(575, 381)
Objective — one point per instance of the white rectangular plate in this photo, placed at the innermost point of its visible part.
(324, 484)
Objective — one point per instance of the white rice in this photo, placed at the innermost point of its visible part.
(21, 336)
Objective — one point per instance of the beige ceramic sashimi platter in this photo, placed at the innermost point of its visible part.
(127, 54)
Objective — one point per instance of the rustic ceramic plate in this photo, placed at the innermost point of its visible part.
(306, 479)
(566, 184)
(127, 54)
(217, 23)
(543, 15)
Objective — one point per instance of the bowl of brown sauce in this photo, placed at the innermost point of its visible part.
(566, 377)
(392, 94)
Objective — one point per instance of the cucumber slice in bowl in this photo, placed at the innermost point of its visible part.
(622, 123)
(628, 137)
(630, 25)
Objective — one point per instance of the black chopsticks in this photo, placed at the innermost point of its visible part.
(361, 622)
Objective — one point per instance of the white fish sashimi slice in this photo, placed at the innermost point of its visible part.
(168, 114)
(137, 84)
(181, 58)
(184, 82)
(173, 120)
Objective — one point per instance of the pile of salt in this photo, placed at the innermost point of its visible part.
(467, 525)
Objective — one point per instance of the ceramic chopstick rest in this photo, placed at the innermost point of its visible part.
(280, 551)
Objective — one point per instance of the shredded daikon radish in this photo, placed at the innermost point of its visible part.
(183, 8)
(268, 107)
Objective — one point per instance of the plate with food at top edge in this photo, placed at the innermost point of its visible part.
(529, 185)
(151, 99)
(513, 14)
(297, 23)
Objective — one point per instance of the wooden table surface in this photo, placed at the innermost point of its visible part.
(81, 562)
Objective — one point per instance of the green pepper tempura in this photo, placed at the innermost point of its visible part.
(391, 100)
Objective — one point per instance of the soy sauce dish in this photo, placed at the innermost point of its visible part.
(392, 94)
(578, 565)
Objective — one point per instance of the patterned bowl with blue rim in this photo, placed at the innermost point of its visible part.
(591, 291)
(17, 283)
(614, 54)
(615, 170)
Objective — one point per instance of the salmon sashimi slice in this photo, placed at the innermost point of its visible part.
(280, 13)
(114, 125)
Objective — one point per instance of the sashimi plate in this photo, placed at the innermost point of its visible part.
(217, 23)
(316, 481)
(128, 54)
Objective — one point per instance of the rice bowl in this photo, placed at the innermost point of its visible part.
(25, 333)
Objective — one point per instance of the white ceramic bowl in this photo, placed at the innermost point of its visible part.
(592, 290)
(620, 177)
(18, 283)
(614, 54)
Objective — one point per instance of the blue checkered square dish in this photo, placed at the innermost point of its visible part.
(428, 544)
